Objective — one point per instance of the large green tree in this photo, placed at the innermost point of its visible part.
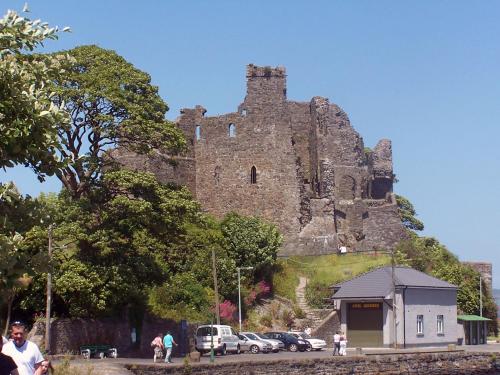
(408, 214)
(430, 256)
(29, 118)
(109, 102)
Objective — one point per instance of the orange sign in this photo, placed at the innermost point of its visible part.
(365, 305)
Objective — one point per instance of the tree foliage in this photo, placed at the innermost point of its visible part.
(109, 101)
(407, 213)
(28, 116)
(428, 255)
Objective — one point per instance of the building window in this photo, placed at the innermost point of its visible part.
(243, 112)
(420, 324)
(232, 130)
(440, 324)
(253, 175)
(198, 132)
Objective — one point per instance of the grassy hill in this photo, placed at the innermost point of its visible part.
(322, 271)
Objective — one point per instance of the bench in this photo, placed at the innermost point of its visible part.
(98, 351)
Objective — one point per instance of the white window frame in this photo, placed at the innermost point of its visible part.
(440, 324)
(420, 325)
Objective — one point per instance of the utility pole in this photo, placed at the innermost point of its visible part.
(394, 321)
(216, 289)
(49, 294)
(239, 290)
(480, 296)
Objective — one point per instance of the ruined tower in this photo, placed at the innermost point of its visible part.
(300, 165)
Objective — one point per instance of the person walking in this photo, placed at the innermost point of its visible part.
(7, 364)
(168, 341)
(336, 343)
(25, 354)
(158, 347)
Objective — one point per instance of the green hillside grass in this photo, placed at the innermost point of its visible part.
(322, 271)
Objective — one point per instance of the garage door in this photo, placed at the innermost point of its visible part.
(365, 325)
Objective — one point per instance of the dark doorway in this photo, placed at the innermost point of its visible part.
(365, 325)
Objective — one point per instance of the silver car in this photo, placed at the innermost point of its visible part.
(251, 343)
(276, 344)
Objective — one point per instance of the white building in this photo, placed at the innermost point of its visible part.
(425, 313)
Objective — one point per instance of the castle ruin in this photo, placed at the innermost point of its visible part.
(300, 165)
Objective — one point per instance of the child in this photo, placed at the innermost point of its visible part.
(44, 368)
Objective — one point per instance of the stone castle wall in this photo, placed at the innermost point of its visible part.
(300, 165)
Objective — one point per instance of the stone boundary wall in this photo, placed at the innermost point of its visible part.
(67, 335)
(452, 363)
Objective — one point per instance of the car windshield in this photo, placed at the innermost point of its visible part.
(251, 337)
(261, 335)
(295, 335)
(305, 335)
(205, 331)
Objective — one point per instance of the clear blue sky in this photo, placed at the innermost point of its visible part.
(425, 74)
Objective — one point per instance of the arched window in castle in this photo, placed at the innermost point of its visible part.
(232, 130)
(253, 175)
(197, 132)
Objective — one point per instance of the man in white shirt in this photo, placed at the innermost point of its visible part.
(336, 343)
(25, 353)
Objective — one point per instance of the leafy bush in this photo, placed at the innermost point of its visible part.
(227, 310)
(287, 318)
(298, 312)
(266, 320)
(181, 298)
(316, 294)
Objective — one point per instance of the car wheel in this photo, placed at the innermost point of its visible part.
(293, 347)
(276, 351)
(223, 350)
(238, 350)
(308, 348)
(254, 349)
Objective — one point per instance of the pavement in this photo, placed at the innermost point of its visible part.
(109, 366)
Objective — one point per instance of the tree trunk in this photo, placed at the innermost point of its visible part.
(10, 300)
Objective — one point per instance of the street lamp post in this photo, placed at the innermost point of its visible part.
(239, 290)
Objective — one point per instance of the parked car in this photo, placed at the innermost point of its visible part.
(251, 343)
(277, 344)
(314, 344)
(292, 343)
(224, 339)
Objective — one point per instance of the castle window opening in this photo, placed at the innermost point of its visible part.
(243, 112)
(198, 132)
(253, 175)
(232, 130)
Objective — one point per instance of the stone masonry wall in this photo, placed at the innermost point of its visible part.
(486, 271)
(69, 334)
(453, 363)
(314, 179)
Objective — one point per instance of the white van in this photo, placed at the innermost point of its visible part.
(224, 339)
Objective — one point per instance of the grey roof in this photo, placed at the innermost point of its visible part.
(378, 283)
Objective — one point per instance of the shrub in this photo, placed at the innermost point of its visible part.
(275, 310)
(227, 310)
(266, 320)
(298, 312)
(316, 293)
(287, 318)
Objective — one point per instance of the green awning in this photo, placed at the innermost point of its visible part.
(473, 318)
